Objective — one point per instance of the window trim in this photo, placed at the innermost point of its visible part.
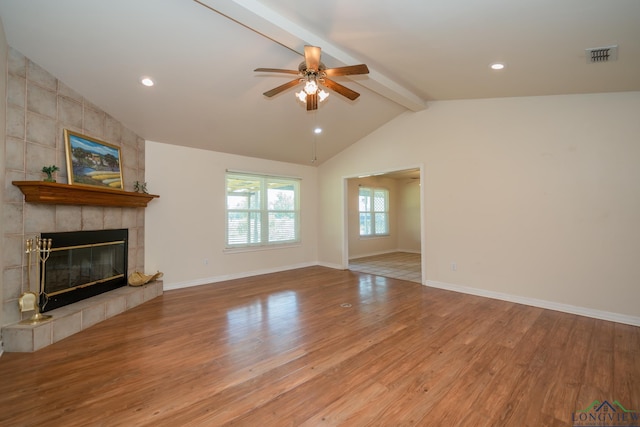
(263, 212)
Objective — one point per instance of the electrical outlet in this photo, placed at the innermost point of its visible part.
(454, 266)
(206, 261)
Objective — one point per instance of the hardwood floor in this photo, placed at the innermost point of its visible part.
(317, 346)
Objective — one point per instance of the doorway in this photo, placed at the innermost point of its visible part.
(397, 251)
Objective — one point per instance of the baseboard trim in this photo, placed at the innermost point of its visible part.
(550, 305)
(222, 278)
(409, 251)
(330, 265)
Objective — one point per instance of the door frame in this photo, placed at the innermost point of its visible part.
(345, 218)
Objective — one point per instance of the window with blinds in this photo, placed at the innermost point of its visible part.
(374, 211)
(262, 210)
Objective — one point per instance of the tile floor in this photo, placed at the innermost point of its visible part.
(398, 265)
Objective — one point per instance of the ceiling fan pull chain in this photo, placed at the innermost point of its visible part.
(314, 143)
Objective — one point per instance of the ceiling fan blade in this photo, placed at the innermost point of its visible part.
(282, 88)
(347, 71)
(342, 90)
(312, 101)
(276, 70)
(312, 57)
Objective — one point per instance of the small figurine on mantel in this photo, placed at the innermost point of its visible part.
(140, 187)
(50, 170)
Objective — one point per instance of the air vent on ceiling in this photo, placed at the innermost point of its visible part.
(602, 54)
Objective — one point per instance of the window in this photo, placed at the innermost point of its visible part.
(374, 211)
(262, 210)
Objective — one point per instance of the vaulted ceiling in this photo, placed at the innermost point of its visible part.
(202, 54)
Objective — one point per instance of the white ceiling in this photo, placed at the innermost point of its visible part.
(202, 56)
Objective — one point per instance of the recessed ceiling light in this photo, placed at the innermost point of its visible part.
(147, 81)
(497, 66)
(317, 130)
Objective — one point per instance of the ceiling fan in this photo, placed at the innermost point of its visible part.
(313, 73)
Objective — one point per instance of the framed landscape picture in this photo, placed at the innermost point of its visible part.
(92, 162)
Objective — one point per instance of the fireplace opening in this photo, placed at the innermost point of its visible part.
(83, 264)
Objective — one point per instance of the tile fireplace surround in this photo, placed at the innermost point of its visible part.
(73, 318)
(39, 108)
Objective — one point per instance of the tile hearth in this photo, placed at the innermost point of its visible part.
(73, 318)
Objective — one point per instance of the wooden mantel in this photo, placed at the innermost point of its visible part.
(65, 194)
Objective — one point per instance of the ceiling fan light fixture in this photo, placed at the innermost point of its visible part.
(322, 95)
(311, 73)
(311, 86)
(302, 96)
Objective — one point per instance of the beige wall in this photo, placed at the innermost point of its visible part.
(359, 247)
(533, 197)
(409, 230)
(3, 115)
(186, 225)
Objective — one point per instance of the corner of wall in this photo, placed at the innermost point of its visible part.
(3, 117)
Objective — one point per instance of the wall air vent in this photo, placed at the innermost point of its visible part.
(602, 54)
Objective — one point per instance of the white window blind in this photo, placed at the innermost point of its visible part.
(262, 210)
(374, 211)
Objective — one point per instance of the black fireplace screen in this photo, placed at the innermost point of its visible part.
(83, 264)
(72, 267)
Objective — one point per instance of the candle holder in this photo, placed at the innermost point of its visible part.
(31, 300)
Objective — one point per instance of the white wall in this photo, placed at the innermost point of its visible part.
(186, 225)
(534, 197)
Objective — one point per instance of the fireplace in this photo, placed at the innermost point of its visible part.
(83, 264)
